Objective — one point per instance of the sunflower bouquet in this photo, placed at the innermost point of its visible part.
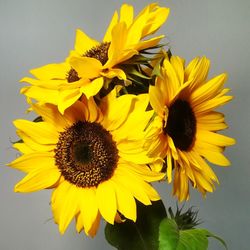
(115, 116)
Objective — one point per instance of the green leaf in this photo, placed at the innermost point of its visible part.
(142, 235)
(209, 234)
(171, 238)
(168, 235)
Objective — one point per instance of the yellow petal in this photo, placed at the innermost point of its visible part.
(68, 98)
(38, 179)
(203, 182)
(32, 161)
(142, 171)
(113, 116)
(214, 157)
(169, 167)
(208, 90)
(83, 43)
(156, 18)
(198, 74)
(35, 145)
(211, 104)
(125, 202)
(51, 71)
(113, 22)
(157, 99)
(93, 230)
(93, 87)
(141, 190)
(69, 208)
(41, 132)
(112, 73)
(77, 112)
(51, 84)
(127, 14)
(178, 65)
(94, 111)
(58, 199)
(215, 138)
(86, 67)
(41, 94)
(135, 30)
(23, 148)
(148, 43)
(88, 208)
(119, 35)
(51, 115)
(106, 199)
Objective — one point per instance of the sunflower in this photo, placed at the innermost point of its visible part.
(184, 131)
(94, 64)
(92, 156)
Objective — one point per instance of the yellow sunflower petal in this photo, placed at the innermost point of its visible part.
(93, 230)
(35, 145)
(86, 67)
(41, 94)
(125, 202)
(51, 71)
(178, 65)
(113, 22)
(67, 98)
(35, 160)
(77, 112)
(142, 171)
(106, 198)
(88, 207)
(215, 138)
(135, 30)
(40, 132)
(52, 84)
(214, 157)
(119, 35)
(157, 100)
(211, 104)
(127, 14)
(83, 43)
(199, 73)
(23, 148)
(113, 118)
(208, 90)
(169, 167)
(156, 18)
(69, 208)
(51, 115)
(112, 73)
(92, 88)
(150, 43)
(38, 179)
(141, 190)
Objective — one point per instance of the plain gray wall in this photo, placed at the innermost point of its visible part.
(34, 33)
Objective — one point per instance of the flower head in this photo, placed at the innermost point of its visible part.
(94, 64)
(185, 129)
(91, 156)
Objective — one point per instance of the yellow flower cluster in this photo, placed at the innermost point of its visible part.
(112, 120)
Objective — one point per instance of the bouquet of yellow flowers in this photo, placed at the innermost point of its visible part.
(115, 116)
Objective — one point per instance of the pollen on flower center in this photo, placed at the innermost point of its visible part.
(99, 52)
(86, 154)
(72, 76)
(181, 124)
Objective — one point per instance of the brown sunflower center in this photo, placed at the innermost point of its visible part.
(181, 124)
(86, 154)
(99, 52)
(72, 76)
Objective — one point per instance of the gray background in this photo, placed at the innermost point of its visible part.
(34, 33)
